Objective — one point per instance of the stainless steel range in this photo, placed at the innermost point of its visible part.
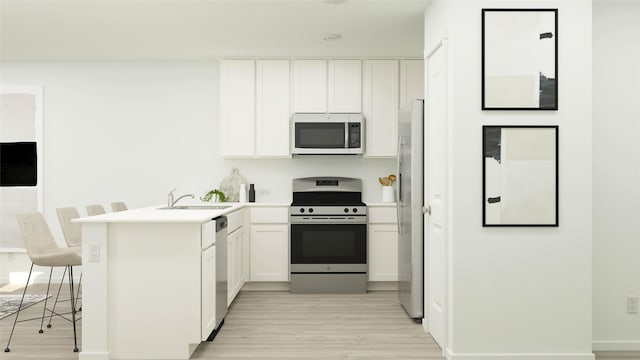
(328, 236)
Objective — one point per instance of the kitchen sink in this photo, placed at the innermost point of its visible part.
(196, 207)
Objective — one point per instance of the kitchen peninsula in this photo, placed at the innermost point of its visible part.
(147, 281)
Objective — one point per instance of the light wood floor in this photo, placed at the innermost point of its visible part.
(280, 325)
(275, 325)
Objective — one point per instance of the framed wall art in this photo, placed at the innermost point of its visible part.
(21, 159)
(519, 59)
(520, 176)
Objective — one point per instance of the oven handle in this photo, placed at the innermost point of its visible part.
(301, 220)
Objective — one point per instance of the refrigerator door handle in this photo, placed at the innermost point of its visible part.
(399, 188)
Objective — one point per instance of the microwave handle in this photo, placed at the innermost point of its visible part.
(346, 134)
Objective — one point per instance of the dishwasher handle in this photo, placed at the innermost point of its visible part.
(221, 223)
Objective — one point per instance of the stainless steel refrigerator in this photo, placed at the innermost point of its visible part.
(410, 203)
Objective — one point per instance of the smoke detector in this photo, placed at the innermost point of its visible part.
(331, 37)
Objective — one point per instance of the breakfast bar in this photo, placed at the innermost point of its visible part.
(147, 282)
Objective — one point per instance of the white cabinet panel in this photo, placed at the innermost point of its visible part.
(411, 80)
(309, 86)
(380, 107)
(208, 286)
(382, 215)
(272, 108)
(235, 220)
(270, 252)
(269, 215)
(234, 264)
(344, 93)
(383, 253)
(237, 108)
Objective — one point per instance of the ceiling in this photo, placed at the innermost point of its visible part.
(200, 30)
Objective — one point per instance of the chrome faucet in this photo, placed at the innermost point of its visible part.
(171, 202)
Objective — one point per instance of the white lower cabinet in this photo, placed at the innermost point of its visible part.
(383, 243)
(383, 252)
(269, 253)
(208, 274)
(235, 254)
(235, 278)
(270, 244)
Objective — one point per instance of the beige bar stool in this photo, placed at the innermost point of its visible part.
(95, 209)
(73, 237)
(118, 206)
(44, 251)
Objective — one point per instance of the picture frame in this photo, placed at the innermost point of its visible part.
(519, 59)
(520, 175)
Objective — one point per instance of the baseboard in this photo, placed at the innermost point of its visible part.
(266, 286)
(616, 346)
(561, 356)
(93, 355)
(286, 286)
(382, 286)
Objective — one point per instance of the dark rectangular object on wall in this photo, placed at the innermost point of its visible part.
(18, 164)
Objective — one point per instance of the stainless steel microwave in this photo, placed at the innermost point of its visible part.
(327, 134)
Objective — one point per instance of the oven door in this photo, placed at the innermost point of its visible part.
(328, 247)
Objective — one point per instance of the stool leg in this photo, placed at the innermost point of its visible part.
(6, 349)
(73, 310)
(57, 296)
(44, 309)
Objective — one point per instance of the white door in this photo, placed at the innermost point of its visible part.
(436, 193)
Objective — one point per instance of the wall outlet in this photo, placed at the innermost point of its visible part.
(632, 304)
(94, 252)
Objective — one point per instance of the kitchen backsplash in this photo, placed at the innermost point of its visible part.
(272, 177)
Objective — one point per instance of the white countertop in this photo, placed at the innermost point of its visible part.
(156, 214)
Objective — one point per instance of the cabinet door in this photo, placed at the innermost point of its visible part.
(208, 293)
(310, 86)
(380, 107)
(411, 80)
(234, 264)
(272, 108)
(231, 275)
(383, 253)
(344, 94)
(270, 252)
(237, 108)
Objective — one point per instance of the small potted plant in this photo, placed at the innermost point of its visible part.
(220, 196)
(387, 187)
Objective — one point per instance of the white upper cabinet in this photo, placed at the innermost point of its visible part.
(272, 108)
(255, 108)
(309, 86)
(380, 107)
(411, 80)
(257, 98)
(344, 93)
(321, 86)
(237, 105)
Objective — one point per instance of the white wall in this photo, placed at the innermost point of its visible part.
(616, 173)
(518, 293)
(133, 131)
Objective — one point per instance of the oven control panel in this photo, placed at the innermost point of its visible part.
(329, 210)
